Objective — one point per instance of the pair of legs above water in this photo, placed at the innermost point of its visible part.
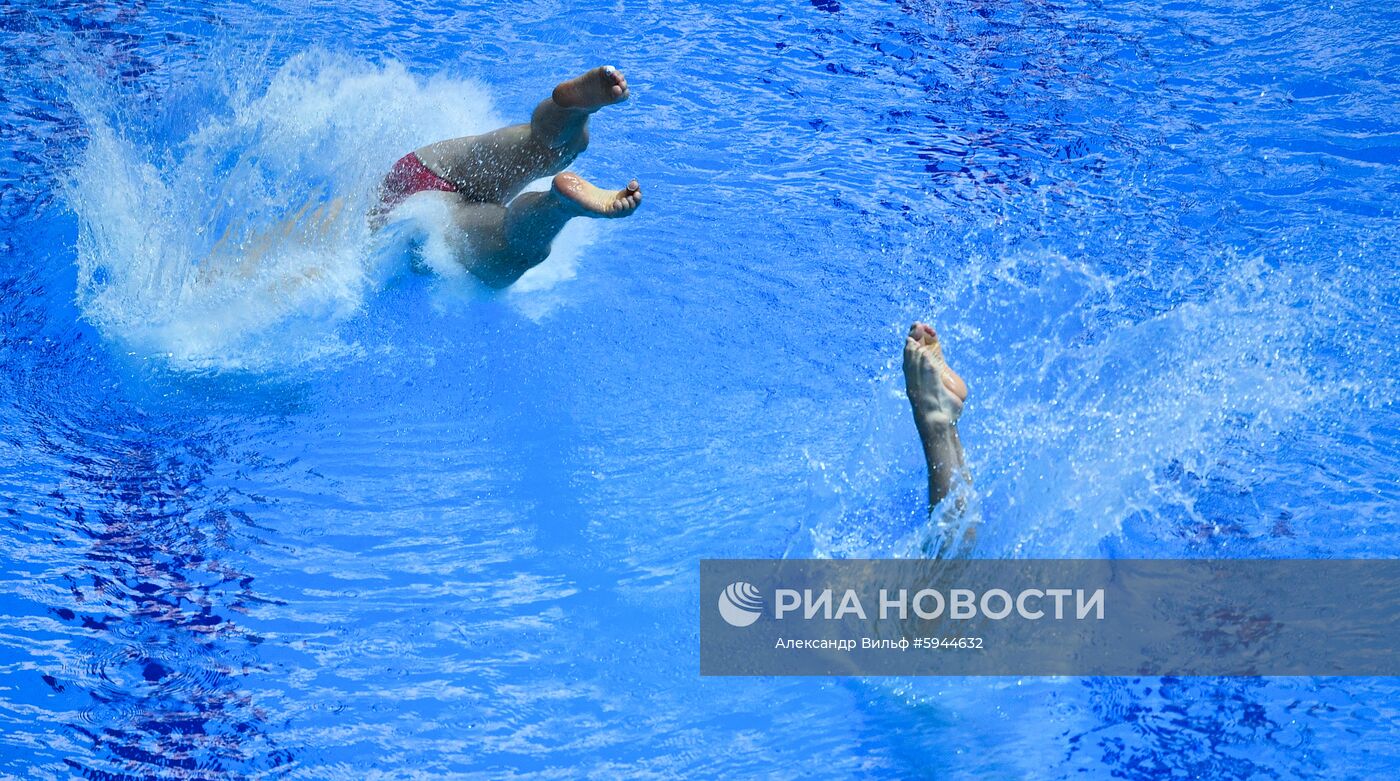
(500, 232)
(497, 231)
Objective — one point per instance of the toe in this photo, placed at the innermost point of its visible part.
(615, 81)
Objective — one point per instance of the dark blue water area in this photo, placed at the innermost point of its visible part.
(409, 530)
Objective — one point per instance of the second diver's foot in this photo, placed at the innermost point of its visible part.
(599, 87)
(595, 202)
(935, 390)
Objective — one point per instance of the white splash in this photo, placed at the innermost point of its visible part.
(240, 240)
(1079, 409)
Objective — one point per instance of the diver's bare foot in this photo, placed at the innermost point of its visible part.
(594, 202)
(597, 88)
(935, 390)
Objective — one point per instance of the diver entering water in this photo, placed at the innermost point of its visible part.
(499, 232)
(937, 394)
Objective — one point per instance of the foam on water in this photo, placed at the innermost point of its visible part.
(235, 235)
(1082, 412)
(1084, 423)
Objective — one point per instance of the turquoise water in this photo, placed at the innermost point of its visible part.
(301, 512)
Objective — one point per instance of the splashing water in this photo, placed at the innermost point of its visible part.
(1071, 435)
(242, 243)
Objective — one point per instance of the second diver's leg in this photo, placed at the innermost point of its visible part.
(493, 167)
(937, 394)
(499, 244)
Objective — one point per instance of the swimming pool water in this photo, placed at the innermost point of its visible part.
(305, 513)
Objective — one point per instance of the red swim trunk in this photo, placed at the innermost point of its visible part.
(409, 176)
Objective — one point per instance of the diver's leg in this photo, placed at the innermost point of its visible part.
(936, 393)
(561, 120)
(498, 244)
(493, 167)
(475, 234)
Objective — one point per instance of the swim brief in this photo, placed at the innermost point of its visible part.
(408, 176)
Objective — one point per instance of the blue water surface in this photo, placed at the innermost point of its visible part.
(306, 513)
